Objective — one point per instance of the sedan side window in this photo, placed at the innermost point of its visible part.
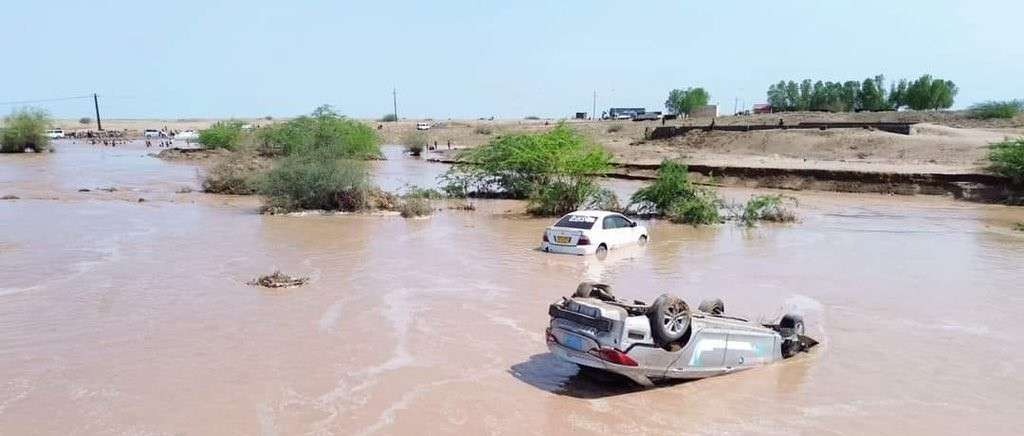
(609, 223)
(620, 222)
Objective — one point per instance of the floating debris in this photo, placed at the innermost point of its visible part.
(278, 280)
(9, 197)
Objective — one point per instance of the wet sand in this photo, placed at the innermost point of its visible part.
(119, 317)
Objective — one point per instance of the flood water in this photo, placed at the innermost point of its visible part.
(127, 317)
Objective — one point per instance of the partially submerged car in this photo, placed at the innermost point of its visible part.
(592, 231)
(665, 340)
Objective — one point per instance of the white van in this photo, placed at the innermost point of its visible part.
(55, 133)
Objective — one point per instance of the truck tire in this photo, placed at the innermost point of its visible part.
(714, 306)
(791, 327)
(670, 319)
(600, 291)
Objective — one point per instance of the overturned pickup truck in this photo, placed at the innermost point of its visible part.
(665, 340)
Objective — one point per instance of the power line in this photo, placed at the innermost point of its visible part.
(45, 100)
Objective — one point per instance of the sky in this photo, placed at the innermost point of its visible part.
(470, 59)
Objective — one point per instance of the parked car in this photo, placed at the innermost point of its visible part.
(423, 126)
(665, 340)
(647, 116)
(152, 133)
(55, 133)
(592, 231)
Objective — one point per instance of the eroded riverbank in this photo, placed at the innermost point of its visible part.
(126, 317)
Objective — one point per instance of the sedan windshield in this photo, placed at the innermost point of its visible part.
(577, 222)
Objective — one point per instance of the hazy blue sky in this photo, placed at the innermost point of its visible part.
(465, 59)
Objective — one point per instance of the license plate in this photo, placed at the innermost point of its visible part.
(574, 342)
(563, 239)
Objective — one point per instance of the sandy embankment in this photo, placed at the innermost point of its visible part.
(944, 142)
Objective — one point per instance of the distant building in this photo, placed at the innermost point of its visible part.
(762, 108)
(581, 115)
(629, 112)
(706, 111)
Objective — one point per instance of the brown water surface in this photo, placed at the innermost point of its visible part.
(120, 317)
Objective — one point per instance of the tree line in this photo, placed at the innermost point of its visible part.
(869, 95)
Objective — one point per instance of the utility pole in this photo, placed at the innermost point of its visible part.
(735, 106)
(96, 104)
(394, 97)
(593, 109)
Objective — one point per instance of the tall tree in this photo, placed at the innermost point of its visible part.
(684, 101)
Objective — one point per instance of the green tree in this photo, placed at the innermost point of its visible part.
(929, 93)
(684, 101)
(898, 95)
(24, 129)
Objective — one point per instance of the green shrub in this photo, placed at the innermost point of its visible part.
(701, 208)
(415, 207)
(531, 117)
(519, 164)
(673, 185)
(996, 109)
(25, 129)
(1019, 227)
(222, 134)
(85, 120)
(387, 118)
(483, 130)
(415, 142)
(1008, 158)
(615, 127)
(314, 182)
(564, 196)
(766, 208)
(324, 133)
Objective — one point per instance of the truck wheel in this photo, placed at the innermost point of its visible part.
(600, 291)
(791, 327)
(670, 318)
(714, 306)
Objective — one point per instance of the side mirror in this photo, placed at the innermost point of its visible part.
(632, 223)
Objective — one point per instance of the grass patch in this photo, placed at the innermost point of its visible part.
(483, 130)
(222, 134)
(770, 208)
(1019, 227)
(996, 109)
(25, 129)
(617, 127)
(1007, 159)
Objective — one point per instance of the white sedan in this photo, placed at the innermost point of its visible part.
(592, 231)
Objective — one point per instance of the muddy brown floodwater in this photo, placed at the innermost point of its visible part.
(120, 317)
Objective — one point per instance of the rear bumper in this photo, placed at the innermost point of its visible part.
(635, 373)
(578, 250)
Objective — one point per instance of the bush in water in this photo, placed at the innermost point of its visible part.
(766, 208)
(323, 132)
(518, 165)
(24, 129)
(564, 196)
(317, 182)
(222, 134)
